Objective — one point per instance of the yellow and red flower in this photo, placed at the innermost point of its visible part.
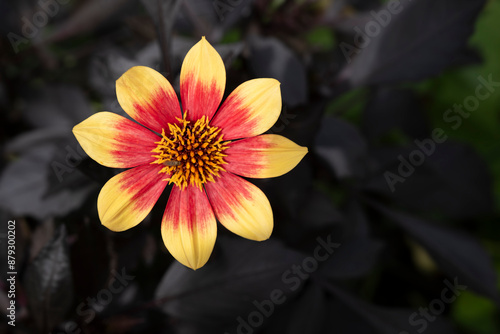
(202, 150)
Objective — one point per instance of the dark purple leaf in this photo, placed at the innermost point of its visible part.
(355, 258)
(85, 18)
(468, 57)
(391, 109)
(57, 106)
(212, 18)
(270, 58)
(107, 65)
(309, 314)
(342, 147)
(230, 13)
(364, 4)
(318, 211)
(422, 38)
(48, 283)
(450, 178)
(36, 138)
(351, 315)
(239, 274)
(51, 186)
(90, 253)
(457, 254)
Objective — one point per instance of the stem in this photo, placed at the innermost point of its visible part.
(165, 42)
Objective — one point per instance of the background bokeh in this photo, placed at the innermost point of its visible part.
(390, 224)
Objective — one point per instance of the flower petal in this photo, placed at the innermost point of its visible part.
(263, 156)
(203, 79)
(114, 141)
(189, 228)
(241, 206)
(148, 98)
(251, 109)
(127, 198)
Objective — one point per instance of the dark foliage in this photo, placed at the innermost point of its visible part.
(381, 228)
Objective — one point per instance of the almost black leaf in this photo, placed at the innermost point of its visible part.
(48, 283)
(355, 258)
(342, 147)
(240, 275)
(418, 39)
(310, 312)
(349, 312)
(270, 58)
(25, 181)
(457, 254)
(448, 177)
(391, 109)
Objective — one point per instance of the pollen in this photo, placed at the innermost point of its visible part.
(192, 152)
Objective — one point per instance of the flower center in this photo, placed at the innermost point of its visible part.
(192, 153)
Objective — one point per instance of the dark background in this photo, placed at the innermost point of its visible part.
(405, 184)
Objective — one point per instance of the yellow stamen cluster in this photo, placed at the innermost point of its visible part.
(192, 153)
